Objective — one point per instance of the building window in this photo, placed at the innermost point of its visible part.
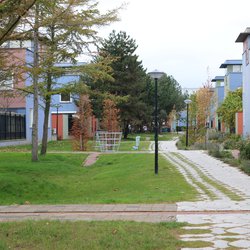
(65, 97)
(6, 81)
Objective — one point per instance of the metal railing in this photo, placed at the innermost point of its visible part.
(12, 126)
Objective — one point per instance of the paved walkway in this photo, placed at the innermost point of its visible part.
(224, 202)
(91, 159)
(223, 206)
(136, 212)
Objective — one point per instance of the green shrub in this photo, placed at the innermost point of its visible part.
(233, 143)
(214, 150)
(245, 166)
(215, 135)
(181, 144)
(227, 154)
(245, 151)
(199, 146)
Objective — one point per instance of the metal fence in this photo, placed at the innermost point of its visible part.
(108, 141)
(12, 126)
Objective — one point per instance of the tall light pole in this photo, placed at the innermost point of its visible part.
(187, 101)
(156, 75)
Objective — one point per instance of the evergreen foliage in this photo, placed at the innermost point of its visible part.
(129, 78)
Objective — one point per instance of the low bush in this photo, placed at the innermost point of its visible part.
(245, 150)
(181, 143)
(214, 150)
(233, 142)
(215, 135)
(245, 166)
(199, 146)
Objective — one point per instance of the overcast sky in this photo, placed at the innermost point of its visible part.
(183, 38)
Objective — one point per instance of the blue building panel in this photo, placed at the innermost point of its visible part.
(220, 93)
(244, 38)
(235, 80)
(64, 107)
(29, 119)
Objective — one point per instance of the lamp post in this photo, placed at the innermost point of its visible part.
(156, 75)
(187, 101)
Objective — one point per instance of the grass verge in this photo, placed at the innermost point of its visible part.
(114, 178)
(66, 146)
(92, 235)
(150, 136)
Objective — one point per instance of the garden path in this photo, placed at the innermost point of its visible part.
(91, 159)
(224, 203)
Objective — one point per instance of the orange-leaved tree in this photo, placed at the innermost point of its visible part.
(81, 128)
(203, 99)
(110, 119)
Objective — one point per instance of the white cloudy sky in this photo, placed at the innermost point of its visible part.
(183, 37)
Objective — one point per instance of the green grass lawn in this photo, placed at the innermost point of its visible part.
(63, 145)
(128, 146)
(114, 178)
(92, 235)
(66, 145)
(166, 136)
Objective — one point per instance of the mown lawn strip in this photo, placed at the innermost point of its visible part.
(92, 235)
(114, 178)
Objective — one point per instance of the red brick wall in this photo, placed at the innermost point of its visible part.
(240, 123)
(60, 124)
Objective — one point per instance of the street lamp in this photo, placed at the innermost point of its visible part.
(187, 101)
(156, 75)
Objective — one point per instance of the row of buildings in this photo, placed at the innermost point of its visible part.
(16, 110)
(237, 75)
(16, 107)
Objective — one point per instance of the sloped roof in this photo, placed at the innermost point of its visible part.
(218, 78)
(230, 62)
(242, 36)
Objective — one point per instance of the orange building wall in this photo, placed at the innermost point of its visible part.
(60, 124)
(240, 123)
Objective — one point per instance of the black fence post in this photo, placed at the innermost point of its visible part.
(5, 129)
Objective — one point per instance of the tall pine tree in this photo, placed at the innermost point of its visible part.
(129, 78)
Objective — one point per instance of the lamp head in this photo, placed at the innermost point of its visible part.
(156, 74)
(187, 101)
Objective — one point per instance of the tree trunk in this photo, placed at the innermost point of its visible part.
(35, 89)
(45, 126)
(48, 98)
(126, 130)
